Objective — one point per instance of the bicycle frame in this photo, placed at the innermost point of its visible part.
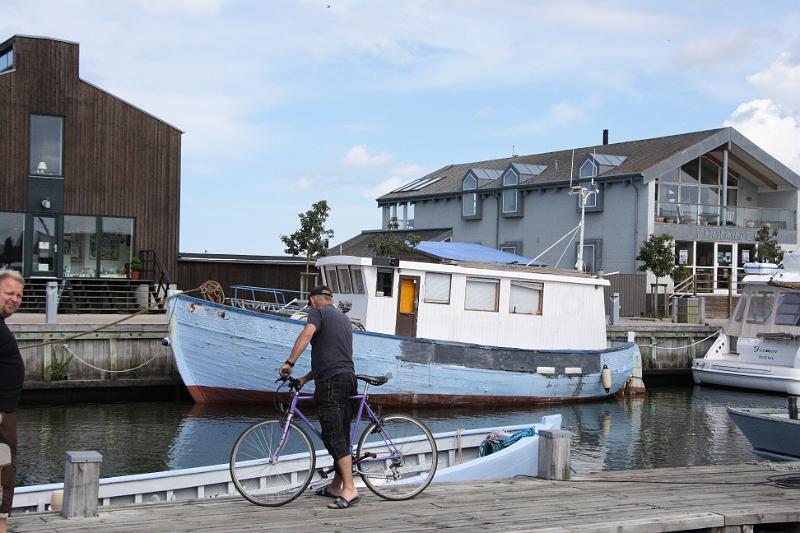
(362, 407)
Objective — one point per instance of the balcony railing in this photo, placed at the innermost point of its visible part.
(715, 215)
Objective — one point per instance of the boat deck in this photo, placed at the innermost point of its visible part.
(675, 499)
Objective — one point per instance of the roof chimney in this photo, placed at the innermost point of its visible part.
(605, 137)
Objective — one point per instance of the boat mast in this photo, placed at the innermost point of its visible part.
(583, 194)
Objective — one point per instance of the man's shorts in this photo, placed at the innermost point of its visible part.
(8, 475)
(335, 411)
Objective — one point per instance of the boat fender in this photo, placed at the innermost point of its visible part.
(605, 378)
(165, 341)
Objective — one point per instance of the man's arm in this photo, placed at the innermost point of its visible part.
(300, 344)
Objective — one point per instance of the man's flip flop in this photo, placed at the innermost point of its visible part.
(323, 491)
(341, 503)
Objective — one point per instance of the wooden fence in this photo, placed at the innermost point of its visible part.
(632, 289)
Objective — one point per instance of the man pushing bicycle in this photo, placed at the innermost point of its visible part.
(330, 334)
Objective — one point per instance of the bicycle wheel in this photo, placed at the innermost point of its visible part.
(269, 470)
(398, 460)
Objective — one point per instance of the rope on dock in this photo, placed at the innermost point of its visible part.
(679, 347)
(67, 348)
(120, 321)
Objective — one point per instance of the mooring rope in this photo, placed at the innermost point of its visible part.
(679, 347)
(67, 348)
(120, 321)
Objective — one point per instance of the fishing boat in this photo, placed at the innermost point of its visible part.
(759, 347)
(452, 332)
(772, 433)
(459, 460)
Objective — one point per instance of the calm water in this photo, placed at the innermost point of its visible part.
(670, 426)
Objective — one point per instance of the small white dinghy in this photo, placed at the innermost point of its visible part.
(458, 461)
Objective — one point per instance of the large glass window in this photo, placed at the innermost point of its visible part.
(114, 249)
(7, 60)
(482, 294)
(437, 288)
(469, 200)
(358, 279)
(46, 146)
(79, 235)
(510, 200)
(331, 278)
(344, 279)
(526, 298)
(12, 230)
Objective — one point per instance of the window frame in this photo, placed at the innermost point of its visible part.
(381, 273)
(8, 52)
(35, 172)
(477, 279)
(754, 298)
(597, 253)
(595, 169)
(469, 187)
(426, 299)
(524, 282)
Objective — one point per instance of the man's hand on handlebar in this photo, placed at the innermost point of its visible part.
(285, 371)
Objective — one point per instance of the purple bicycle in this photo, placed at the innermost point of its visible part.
(274, 461)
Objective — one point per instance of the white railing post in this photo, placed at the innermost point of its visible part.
(81, 484)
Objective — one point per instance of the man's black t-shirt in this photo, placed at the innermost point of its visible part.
(12, 370)
(332, 343)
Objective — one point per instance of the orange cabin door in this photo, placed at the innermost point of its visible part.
(407, 304)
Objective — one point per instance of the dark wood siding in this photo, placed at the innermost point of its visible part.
(118, 160)
(192, 273)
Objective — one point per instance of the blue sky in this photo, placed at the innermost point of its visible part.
(287, 103)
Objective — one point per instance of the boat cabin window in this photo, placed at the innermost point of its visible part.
(344, 279)
(331, 279)
(788, 313)
(740, 309)
(384, 282)
(437, 288)
(760, 308)
(358, 280)
(482, 294)
(526, 298)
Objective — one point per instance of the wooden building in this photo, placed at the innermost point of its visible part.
(87, 180)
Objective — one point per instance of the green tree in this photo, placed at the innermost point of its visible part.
(768, 250)
(311, 240)
(391, 243)
(657, 256)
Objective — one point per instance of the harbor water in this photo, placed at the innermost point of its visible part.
(671, 426)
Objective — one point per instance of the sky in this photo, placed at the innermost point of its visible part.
(284, 103)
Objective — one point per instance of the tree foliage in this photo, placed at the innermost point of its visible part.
(311, 240)
(391, 243)
(657, 256)
(768, 250)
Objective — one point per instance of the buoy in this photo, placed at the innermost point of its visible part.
(605, 378)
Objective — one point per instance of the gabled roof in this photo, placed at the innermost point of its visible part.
(646, 158)
(358, 246)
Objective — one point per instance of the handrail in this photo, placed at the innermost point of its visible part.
(153, 270)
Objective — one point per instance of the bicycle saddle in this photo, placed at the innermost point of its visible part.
(373, 380)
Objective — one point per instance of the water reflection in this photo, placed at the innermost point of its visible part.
(670, 426)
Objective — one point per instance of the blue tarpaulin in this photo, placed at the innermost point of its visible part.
(466, 251)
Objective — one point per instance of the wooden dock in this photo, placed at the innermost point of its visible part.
(717, 498)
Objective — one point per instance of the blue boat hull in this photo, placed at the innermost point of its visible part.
(229, 355)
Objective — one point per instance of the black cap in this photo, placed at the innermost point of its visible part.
(320, 290)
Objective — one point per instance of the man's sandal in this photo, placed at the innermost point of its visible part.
(341, 503)
(323, 491)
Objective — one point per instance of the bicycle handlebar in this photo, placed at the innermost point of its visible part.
(292, 383)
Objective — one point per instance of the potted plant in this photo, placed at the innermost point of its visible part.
(136, 267)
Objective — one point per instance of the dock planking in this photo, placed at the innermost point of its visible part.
(675, 499)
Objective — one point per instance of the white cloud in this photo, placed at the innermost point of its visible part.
(780, 82)
(766, 124)
(400, 176)
(304, 183)
(485, 111)
(358, 156)
(557, 116)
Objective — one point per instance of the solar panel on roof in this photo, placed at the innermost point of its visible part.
(529, 170)
(609, 160)
(418, 184)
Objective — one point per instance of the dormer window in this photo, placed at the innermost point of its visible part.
(6, 60)
(588, 169)
(511, 204)
(469, 200)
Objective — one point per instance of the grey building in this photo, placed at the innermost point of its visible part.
(711, 190)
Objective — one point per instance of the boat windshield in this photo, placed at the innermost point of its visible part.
(761, 303)
(788, 312)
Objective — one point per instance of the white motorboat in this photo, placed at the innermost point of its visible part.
(759, 347)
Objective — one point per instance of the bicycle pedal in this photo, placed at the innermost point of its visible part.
(322, 473)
